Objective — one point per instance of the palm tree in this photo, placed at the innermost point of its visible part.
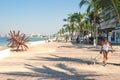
(116, 4)
(62, 31)
(92, 6)
(67, 28)
(108, 3)
(90, 18)
(88, 28)
(70, 24)
(76, 29)
(78, 20)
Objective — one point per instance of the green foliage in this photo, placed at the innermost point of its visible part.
(78, 22)
(116, 4)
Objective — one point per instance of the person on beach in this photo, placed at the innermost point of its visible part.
(66, 38)
(105, 49)
(77, 39)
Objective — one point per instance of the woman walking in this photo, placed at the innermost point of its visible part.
(105, 49)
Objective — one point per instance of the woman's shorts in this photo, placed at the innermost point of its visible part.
(106, 51)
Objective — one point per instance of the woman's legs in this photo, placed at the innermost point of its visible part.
(105, 57)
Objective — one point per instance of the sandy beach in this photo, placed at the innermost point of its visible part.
(59, 61)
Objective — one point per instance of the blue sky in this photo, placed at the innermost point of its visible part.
(35, 16)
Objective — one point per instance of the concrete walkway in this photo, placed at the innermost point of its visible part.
(59, 61)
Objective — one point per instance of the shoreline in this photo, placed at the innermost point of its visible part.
(5, 51)
(32, 43)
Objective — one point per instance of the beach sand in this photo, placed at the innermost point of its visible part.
(59, 61)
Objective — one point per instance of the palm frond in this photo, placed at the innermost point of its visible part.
(89, 8)
(83, 2)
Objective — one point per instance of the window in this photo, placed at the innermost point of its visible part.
(117, 24)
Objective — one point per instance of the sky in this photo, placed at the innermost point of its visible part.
(36, 16)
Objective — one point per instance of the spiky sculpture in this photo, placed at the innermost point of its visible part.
(18, 40)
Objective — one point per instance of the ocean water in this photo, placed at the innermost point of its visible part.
(3, 41)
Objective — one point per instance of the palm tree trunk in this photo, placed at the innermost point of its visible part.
(80, 32)
(88, 34)
(95, 32)
(83, 35)
(72, 36)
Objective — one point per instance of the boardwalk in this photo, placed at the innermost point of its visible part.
(59, 61)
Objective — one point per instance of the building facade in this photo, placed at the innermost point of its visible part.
(109, 26)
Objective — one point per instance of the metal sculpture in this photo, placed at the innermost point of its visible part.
(18, 40)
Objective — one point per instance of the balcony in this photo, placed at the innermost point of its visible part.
(108, 11)
(111, 23)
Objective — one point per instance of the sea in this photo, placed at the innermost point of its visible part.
(4, 41)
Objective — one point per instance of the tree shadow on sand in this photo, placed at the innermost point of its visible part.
(77, 46)
(46, 72)
(115, 64)
(63, 59)
(82, 45)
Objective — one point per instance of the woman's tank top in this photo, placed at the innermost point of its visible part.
(106, 46)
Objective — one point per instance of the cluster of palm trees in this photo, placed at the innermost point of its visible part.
(86, 23)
